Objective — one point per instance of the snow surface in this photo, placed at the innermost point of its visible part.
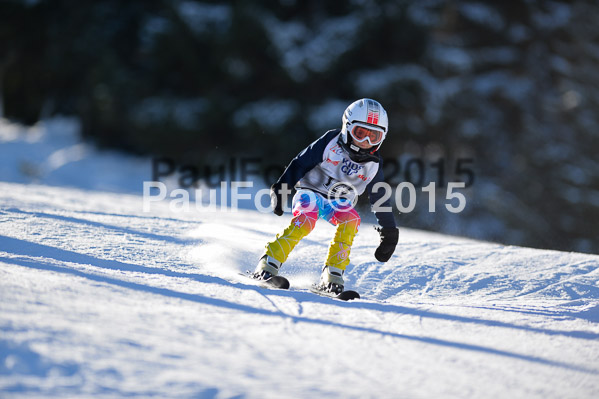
(52, 153)
(101, 299)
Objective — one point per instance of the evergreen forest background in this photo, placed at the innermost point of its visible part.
(502, 95)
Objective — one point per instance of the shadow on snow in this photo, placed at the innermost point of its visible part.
(124, 230)
(26, 248)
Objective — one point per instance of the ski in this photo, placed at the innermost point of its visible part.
(347, 295)
(279, 282)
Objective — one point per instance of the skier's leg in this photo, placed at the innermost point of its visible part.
(348, 222)
(305, 214)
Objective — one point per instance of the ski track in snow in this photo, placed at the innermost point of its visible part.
(98, 298)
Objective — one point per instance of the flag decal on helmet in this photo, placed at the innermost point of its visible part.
(373, 112)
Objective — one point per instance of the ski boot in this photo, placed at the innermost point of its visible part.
(267, 267)
(331, 280)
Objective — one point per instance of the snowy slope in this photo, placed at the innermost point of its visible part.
(101, 299)
(52, 153)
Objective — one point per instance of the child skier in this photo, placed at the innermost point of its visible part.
(329, 175)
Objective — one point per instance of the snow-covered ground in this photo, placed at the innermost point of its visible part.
(101, 299)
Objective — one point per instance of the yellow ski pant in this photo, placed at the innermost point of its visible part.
(308, 207)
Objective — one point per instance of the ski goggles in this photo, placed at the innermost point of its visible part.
(361, 133)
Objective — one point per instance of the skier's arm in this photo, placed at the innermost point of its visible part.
(385, 218)
(297, 168)
(306, 160)
(388, 231)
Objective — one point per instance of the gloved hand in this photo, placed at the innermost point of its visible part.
(389, 237)
(276, 199)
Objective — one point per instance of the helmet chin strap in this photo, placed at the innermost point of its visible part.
(375, 148)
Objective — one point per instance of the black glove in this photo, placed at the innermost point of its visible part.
(389, 237)
(276, 199)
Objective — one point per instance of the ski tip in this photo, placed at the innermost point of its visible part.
(348, 295)
(279, 282)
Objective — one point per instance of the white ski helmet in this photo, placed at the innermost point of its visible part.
(364, 120)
